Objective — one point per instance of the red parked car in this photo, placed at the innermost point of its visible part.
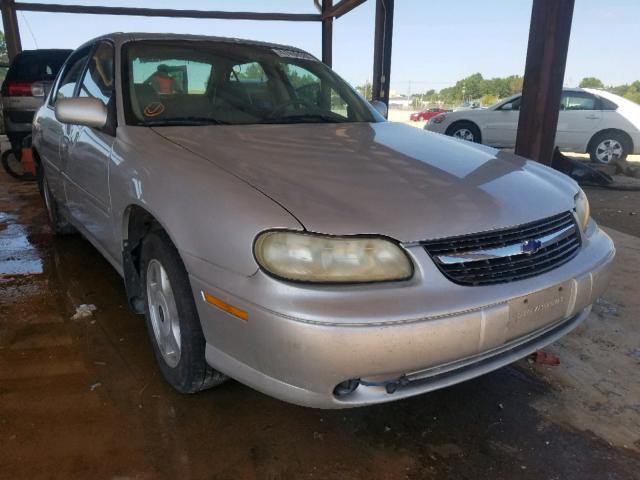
(426, 114)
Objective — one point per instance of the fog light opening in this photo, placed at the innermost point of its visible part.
(346, 388)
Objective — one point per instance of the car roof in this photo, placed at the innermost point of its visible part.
(44, 51)
(120, 38)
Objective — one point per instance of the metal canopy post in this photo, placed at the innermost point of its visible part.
(382, 50)
(327, 32)
(11, 30)
(543, 77)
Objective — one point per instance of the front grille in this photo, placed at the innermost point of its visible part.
(496, 256)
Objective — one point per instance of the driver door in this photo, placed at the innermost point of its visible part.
(88, 152)
(501, 127)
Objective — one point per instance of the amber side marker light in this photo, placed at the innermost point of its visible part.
(236, 312)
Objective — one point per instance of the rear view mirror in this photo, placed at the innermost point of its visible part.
(381, 107)
(87, 111)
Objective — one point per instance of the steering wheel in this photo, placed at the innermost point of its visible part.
(281, 108)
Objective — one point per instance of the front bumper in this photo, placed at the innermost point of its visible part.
(400, 340)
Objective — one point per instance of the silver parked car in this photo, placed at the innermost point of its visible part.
(275, 229)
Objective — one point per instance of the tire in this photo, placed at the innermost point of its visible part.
(609, 147)
(12, 165)
(172, 318)
(464, 131)
(59, 226)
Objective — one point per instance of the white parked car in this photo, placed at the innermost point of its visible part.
(600, 123)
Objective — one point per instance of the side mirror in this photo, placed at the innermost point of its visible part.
(87, 111)
(507, 106)
(380, 107)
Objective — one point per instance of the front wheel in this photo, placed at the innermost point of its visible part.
(464, 131)
(58, 224)
(609, 147)
(172, 318)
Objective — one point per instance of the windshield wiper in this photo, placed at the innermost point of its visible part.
(188, 121)
(305, 118)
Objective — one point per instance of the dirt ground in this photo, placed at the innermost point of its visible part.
(83, 398)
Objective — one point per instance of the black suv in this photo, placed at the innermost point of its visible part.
(28, 80)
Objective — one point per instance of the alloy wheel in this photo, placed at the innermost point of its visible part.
(464, 134)
(163, 313)
(609, 151)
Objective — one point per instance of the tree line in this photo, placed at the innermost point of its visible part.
(487, 91)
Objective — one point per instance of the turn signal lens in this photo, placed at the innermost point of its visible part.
(236, 312)
(308, 257)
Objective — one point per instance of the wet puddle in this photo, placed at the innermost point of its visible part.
(18, 256)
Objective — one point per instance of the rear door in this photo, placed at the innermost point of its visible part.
(88, 151)
(580, 117)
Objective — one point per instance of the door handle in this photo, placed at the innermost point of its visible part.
(593, 117)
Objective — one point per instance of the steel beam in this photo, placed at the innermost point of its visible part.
(11, 30)
(327, 33)
(342, 7)
(165, 12)
(543, 77)
(382, 50)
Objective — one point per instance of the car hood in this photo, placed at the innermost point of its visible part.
(381, 178)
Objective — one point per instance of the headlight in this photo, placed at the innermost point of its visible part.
(308, 257)
(582, 209)
(438, 118)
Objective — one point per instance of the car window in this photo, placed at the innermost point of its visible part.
(577, 101)
(248, 73)
(515, 104)
(310, 90)
(607, 104)
(170, 75)
(70, 76)
(98, 79)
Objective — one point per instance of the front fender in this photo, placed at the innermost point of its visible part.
(208, 213)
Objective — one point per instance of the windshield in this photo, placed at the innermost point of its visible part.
(193, 83)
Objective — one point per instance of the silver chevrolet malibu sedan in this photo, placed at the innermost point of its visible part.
(273, 228)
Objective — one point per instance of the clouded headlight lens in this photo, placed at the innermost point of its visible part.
(582, 209)
(308, 257)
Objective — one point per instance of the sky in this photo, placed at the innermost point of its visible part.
(435, 42)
